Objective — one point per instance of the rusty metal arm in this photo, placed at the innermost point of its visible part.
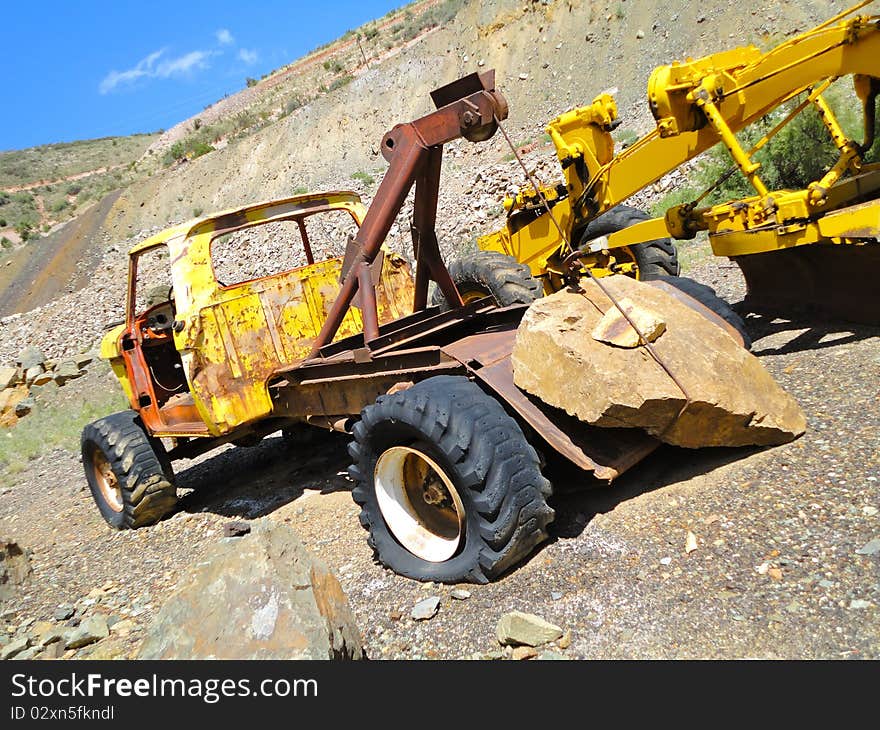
(467, 108)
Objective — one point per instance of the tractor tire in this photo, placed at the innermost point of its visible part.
(449, 488)
(706, 296)
(127, 472)
(491, 273)
(653, 258)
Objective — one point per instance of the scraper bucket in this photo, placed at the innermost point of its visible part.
(830, 281)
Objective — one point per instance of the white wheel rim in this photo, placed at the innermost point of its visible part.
(419, 503)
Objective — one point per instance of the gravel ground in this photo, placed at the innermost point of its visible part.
(775, 574)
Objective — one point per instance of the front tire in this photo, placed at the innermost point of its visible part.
(449, 488)
(126, 472)
(653, 259)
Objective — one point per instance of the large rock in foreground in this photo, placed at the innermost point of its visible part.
(735, 401)
(261, 596)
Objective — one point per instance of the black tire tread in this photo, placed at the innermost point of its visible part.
(502, 276)
(493, 461)
(654, 259)
(148, 492)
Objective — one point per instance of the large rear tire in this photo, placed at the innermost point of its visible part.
(449, 488)
(491, 273)
(653, 258)
(127, 472)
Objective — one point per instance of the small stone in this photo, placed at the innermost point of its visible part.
(523, 76)
(555, 595)
(64, 612)
(459, 594)
(30, 357)
(775, 573)
(825, 583)
(8, 376)
(23, 407)
(640, 34)
(871, 547)
(92, 629)
(860, 603)
(517, 627)
(53, 635)
(614, 329)
(236, 529)
(869, 511)
(14, 647)
(395, 615)
(67, 370)
(42, 379)
(565, 640)
(426, 609)
(762, 568)
(665, 561)
(551, 656)
(55, 650)
(28, 653)
(122, 628)
(523, 652)
(690, 542)
(41, 627)
(82, 360)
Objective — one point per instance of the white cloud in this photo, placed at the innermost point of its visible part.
(150, 67)
(247, 56)
(224, 37)
(144, 67)
(183, 64)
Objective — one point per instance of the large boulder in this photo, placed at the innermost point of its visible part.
(15, 567)
(261, 596)
(734, 400)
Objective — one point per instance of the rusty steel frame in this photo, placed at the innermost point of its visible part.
(470, 108)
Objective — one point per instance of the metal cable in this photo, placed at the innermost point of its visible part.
(644, 340)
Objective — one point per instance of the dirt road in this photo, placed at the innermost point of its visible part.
(59, 263)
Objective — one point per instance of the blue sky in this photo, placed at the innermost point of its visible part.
(78, 70)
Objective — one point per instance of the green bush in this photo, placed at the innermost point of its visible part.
(339, 83)
(251, 82)
(364, 177)
(5, 242)
(2, 223)
(200, 148)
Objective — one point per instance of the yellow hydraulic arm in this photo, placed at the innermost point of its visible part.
(696, 105)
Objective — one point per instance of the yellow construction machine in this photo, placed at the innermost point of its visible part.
(814, 247)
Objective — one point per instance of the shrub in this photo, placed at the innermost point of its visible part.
(5, 242)
(197, 211)
(363, 177)
(74, 189)
(2, 223)
(200, 148)
(251, 81)
(339, 83)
